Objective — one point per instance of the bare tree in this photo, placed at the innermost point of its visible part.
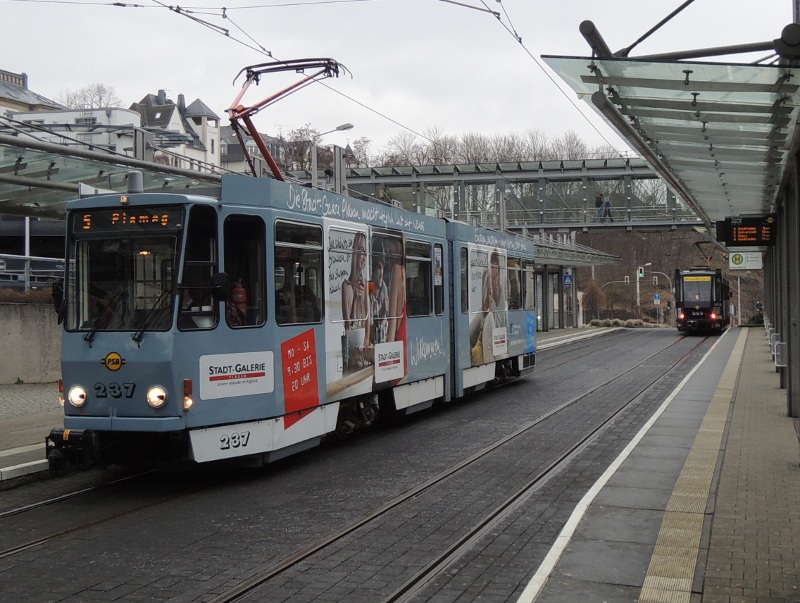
(94, 96)
(360, 149)
(594, 298)
(510, 147)
(570, 146)
(536, 146)
(435, 147)
(439, 147)
(604, 152)
(403, 149)
(297, 147)
(474, 148)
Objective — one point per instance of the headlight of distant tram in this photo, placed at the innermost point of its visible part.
(156, 396)
(77, 396)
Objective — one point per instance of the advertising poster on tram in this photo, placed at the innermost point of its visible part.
(488, 305)
(365, 299)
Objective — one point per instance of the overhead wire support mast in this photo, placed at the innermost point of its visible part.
(325, 68)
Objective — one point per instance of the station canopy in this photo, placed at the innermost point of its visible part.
(720, 134)
(38, 178)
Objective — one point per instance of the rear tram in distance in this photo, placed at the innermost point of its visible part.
(253, 322)
(701, 301)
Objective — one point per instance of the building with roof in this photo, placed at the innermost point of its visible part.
(232, 156)
(155, 130)
(184, 136)
(111, 130)
(15, 96)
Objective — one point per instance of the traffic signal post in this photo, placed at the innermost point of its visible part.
(640, 272)
(671, 292)
(639, 276)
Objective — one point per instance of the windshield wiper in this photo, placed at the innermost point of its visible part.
(139, 335)
(105, 316)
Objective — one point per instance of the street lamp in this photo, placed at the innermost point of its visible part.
(341, 128)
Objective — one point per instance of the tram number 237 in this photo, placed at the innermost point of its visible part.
(234, 440)
(114, 390)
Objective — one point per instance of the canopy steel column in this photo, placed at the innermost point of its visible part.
(790, 292)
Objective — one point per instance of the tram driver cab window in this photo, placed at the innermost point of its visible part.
(197, 308)
(245, 265)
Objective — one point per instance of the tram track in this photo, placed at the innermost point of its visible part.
(132, 480)
(498, 515)
(90, 524)
(584, 348)
(488, 521)
(69, 495)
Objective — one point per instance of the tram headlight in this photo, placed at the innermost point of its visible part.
(76, 396)
(156, 396)
(188, 402)
(713, 316)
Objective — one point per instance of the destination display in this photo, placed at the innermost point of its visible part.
(747, 231)
(128, 219)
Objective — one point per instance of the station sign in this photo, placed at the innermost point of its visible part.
(745, 260)
(747, 231)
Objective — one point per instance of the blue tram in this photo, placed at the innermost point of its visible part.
(257, 321)
(701, 300)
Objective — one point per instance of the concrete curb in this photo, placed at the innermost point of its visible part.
(553, 342)
(23, 469)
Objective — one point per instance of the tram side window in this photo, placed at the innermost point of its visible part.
(514, 288)
(198, 310)
(245, 264)
(298, 273)
(464, 280)
(528, 286)
(387, 293)
(498, 267)
(418, 278)
(438, 280)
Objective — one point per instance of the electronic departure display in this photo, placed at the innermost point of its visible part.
(747, 231)
(130, 220)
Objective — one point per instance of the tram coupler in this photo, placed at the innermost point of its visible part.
(70, 449)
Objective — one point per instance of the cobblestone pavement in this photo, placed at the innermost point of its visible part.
(26, 399)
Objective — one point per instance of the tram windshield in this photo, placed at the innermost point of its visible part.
(123, 280)
(697, 289)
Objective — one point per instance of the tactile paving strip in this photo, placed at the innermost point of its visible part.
(671, 570)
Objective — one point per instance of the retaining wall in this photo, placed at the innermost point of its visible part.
(30, 343)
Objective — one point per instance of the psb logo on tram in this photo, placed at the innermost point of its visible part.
(113, 361)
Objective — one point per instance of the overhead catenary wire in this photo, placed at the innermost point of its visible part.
(191, 13)
(510, 29)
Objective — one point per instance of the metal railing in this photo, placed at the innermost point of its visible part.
(29, 272)
(577, 216)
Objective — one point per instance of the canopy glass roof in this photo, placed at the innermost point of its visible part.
(40, 181)
(719, 133)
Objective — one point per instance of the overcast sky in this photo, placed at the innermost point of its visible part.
(415, 64)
